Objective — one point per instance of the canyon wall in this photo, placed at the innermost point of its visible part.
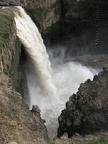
(86, 111)
(60, 17)
(84, 9)
(46, 12)
(17, 123)
(71, 14)
(9, 47)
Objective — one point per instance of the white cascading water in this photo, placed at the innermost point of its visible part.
(48, 90)
(31, 39)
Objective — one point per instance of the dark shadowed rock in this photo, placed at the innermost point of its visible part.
(87, 111)
(83, 9)
(35, 108)
(9, 2)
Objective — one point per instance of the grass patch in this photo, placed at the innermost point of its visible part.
(7, 113)
(52, 142)
(100, 141)
(38, 12)
(6, 22)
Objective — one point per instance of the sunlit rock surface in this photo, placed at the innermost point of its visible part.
(17, 123)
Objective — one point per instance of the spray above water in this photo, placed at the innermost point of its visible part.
(48, 90)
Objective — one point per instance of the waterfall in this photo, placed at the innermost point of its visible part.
(49, 90)
(39, 89)
(33, 43)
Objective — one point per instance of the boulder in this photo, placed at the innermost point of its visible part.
(87, 110)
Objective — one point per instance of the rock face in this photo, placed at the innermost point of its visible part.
(17, 123)
(77, 9)
(46, 12)
(84, 9)
(86, 111)
(10, 47)
(101, 137)
(9, 2)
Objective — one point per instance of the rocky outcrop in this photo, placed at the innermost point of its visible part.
(46, 12)
(86, 111)
(101, 137)
(10, 47)
(17, 123)
(77, 9)
(9, 2)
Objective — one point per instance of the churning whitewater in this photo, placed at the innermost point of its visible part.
(49, 90)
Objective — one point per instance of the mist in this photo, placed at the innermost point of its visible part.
(49, 78)
(66, 77)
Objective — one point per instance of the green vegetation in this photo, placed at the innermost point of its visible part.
(99, 141)
(51, 142)
(9, 42)
(15, 59)
(6, 21)
(6, 28)
(38, 12)
(7, 113)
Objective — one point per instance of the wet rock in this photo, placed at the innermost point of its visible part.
(35, 108)
(86, 112)
(95, 77)
(105, 69)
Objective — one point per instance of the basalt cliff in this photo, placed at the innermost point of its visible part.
(86, 111)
